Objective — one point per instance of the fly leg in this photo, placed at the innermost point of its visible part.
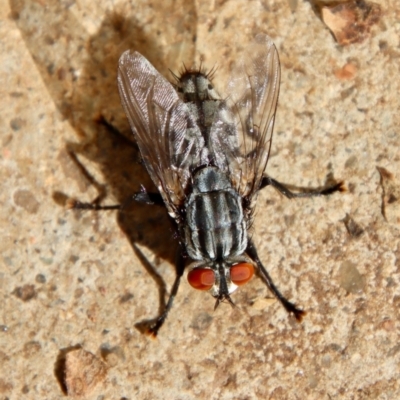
(141, 197)
(264, 275)
(153, 329)
(266, 180)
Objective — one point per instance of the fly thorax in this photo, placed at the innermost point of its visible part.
(215, 226)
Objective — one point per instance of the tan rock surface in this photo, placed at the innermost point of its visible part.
(71, 279)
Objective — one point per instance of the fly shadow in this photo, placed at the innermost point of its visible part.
(80, 73)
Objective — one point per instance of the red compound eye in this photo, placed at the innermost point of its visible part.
(201, 278)
(241, 273)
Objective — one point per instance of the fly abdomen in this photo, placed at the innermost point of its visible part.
(215, 224)
(201, 99)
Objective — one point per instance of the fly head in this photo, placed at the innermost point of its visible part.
(220, 278)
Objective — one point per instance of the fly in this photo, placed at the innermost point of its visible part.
(207, 157)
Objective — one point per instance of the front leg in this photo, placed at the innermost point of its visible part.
(264, 275)
(153, 329)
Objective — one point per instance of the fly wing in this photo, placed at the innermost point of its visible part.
(242, 131)
(169, 140)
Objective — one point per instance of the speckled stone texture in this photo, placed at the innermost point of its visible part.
(79, 280)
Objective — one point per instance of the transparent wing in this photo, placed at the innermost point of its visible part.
(169, 140)
(242, 131)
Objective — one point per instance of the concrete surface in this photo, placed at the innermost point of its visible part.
(77, 280)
